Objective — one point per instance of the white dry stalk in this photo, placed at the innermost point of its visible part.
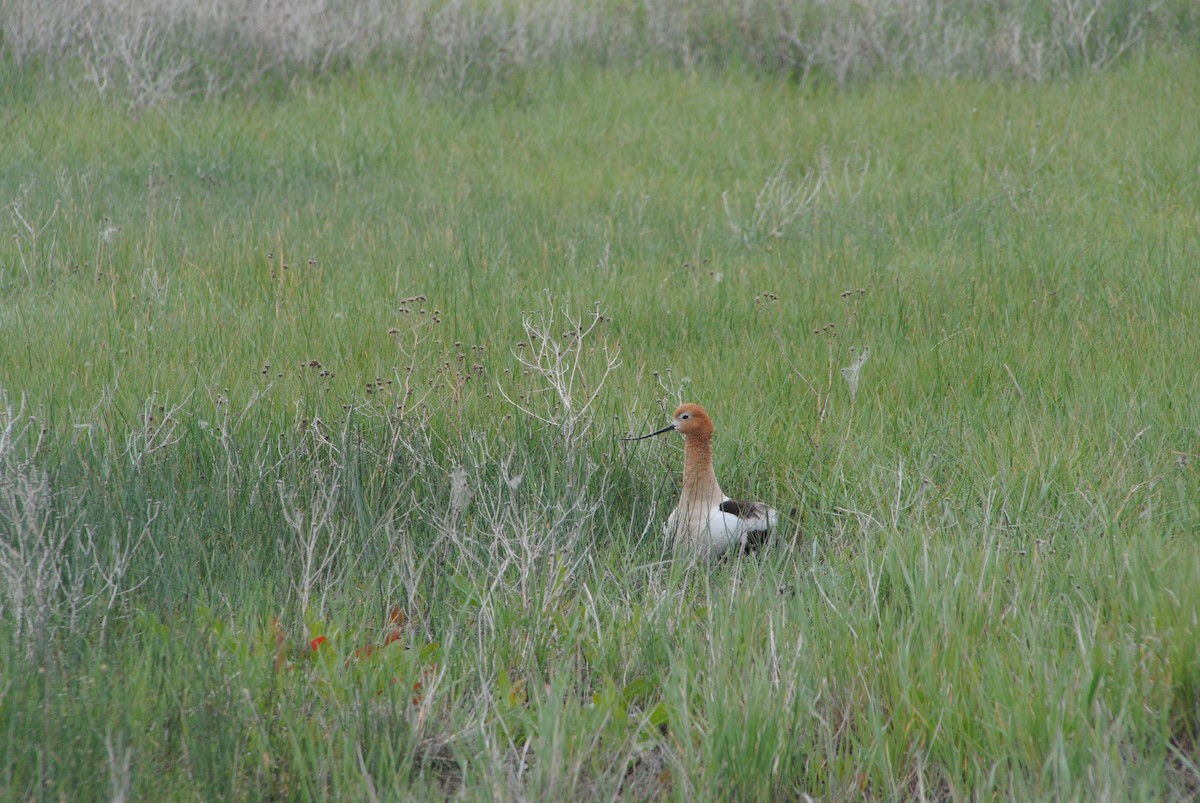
(368, 780)
(30, 234)
(15, 426)
(155, 432)
(33, 541)
(1078, 32)
(530, 541)
(780, 200)
(120, 760)
(314, 527)
(131, 47)
(223, 432)
(412, 396)
(34, 547)
(152, 50)
(847, 184)
(52, 567)
(552, 532)
(672, 390)
(155, 286)
(110, 564)
(557, 355)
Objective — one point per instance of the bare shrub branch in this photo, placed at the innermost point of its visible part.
(557, 354)
(311, 517)
(148, 51)
(53, 566)
(155, 432)
(784, 198)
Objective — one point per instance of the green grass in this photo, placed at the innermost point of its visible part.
(988, 590)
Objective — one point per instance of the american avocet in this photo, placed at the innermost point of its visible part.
(706, 520)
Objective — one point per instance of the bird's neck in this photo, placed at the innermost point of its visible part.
(699, 481)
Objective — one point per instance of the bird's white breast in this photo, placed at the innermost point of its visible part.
(713, 530)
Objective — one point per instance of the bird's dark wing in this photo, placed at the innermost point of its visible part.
(753, 513)
(756, 518)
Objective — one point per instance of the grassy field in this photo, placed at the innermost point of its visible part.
(310, 485)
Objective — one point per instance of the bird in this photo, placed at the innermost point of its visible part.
(707, 521)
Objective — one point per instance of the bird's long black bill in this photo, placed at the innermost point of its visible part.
(651, 435)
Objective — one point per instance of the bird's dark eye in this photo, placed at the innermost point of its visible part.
(685, 416)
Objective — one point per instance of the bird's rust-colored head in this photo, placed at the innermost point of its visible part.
(690, 420)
